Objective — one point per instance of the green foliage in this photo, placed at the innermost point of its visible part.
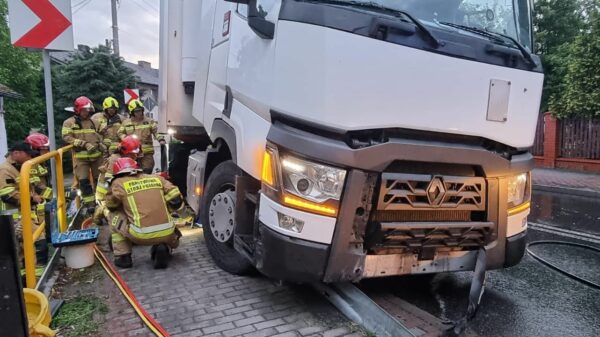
(567, 36)
(96, 73)
(79, 317)
(21, 71)
(580, 94)
(557, 24)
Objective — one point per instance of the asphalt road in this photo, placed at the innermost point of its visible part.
(529, 299)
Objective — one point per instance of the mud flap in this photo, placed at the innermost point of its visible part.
(475, 294)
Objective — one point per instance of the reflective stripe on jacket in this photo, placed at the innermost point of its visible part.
(144, 200)
(108, 129)
(144, 130)
(79, 132)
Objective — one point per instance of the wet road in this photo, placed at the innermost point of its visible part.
(529, 299)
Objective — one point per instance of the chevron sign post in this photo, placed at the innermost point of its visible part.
(41, 24)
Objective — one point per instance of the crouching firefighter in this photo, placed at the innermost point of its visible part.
(141, 207)
(129, 147)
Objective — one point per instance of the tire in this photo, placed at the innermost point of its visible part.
(221, 179)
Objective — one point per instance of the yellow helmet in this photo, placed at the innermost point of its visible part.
(135, 104)
(110, 102)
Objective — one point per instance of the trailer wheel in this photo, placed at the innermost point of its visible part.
(217, 214)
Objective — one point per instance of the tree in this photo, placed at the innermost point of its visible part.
(21, 71)
(557, 24)
(95, 73)
(581, 90)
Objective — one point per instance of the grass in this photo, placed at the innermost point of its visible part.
(79, 316)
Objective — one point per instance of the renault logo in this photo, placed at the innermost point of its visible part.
(436, 191)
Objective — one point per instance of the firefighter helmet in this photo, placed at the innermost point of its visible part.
(125, 166)
(81, 103)
(129, 144)
(134, 105)
(110, 102)
(37, 141)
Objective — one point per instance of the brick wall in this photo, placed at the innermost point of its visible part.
(551, 154)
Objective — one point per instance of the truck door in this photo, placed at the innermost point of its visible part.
(217, 71)
(251, 59)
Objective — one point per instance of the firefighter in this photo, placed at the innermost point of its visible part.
(108, 122)
(130, 148)
(41, 145)
(10, 197)
(140, 207)
(83, 134)
(143, 128)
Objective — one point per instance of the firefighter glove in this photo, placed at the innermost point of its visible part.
(90, 147)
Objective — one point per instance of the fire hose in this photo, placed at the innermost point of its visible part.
(114, 275)
(154, 326)
(557, 268)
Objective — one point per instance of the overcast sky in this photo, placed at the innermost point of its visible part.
(138, 26)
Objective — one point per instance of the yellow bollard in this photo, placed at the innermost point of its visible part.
(38, 313)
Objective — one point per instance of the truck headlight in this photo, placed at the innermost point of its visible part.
(302, 184)
(311, 181)
(518, 190)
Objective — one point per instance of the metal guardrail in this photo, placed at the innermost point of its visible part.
(24, 187)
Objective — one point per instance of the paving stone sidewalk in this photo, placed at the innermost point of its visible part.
(193, 297)
(587, 184)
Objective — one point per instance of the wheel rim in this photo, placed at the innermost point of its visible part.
(221, 215)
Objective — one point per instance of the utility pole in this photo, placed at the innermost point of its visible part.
(115, 26)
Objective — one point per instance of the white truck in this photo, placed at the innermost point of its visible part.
(336, 140)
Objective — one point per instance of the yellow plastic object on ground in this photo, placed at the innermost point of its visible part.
(38, 313)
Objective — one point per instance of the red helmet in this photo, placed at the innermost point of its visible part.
(81, 103)
(37, 141)
(129, 144)
(125, 165)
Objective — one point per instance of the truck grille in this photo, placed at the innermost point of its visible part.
(409, 192)
(418, 235)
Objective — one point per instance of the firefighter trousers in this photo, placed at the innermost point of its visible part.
(122, 240)
(81, 170)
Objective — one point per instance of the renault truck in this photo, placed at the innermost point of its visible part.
(337, 140)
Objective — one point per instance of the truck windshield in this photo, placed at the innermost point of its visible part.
(508, 17)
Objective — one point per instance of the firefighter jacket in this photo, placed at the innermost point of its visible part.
(40, 177)
(79, 133)
(108, 127)
(144, 131)
(10, 197)
(145, 199)
(106, 175)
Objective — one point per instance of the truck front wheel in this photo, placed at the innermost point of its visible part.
(217, 213)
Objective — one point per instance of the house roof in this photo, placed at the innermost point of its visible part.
(8, 92)
(145, 73)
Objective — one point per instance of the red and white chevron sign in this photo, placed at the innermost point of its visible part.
(41, 24)
(131, 94)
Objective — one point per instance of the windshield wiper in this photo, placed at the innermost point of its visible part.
(496, 37)
(395, 12)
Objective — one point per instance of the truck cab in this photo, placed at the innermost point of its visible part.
(338, 140)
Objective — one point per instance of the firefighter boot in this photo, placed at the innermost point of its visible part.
(160, 255)
(123, 261)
